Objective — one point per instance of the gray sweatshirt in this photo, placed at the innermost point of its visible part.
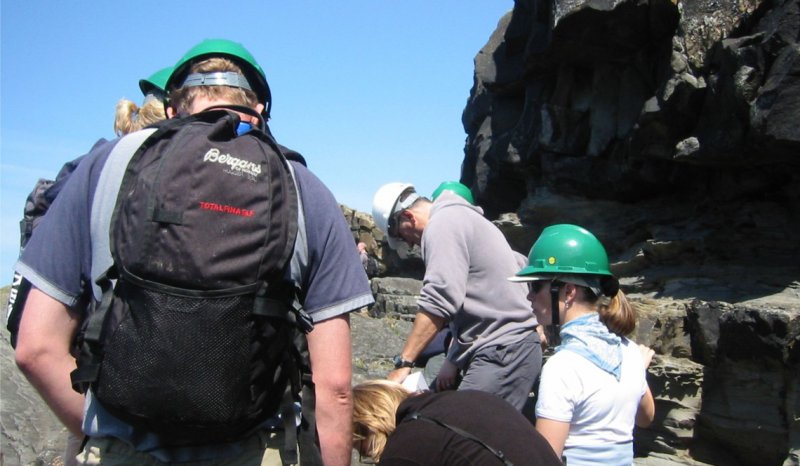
(467, 263)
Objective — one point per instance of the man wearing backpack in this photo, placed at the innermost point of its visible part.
(77, 250)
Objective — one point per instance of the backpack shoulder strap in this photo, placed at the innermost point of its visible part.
(293, 155)
(105, 198)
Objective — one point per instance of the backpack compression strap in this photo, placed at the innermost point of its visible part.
(304, 436)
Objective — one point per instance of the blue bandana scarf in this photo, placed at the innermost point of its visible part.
(590, 338)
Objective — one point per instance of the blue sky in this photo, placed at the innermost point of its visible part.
(369, 91)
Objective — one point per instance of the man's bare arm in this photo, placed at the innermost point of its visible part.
(426, 326)
(329, 349)
(43, 355)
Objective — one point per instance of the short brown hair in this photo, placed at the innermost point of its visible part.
(181, 99)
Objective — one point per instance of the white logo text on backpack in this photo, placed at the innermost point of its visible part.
(235, 165)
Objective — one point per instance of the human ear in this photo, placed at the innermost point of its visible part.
(407, 215)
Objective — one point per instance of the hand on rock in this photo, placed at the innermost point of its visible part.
(647, 355)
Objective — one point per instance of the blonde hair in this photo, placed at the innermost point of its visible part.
(375, 405)
(128, 117)
(181, 99)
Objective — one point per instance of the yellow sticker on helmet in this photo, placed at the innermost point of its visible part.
(551, 260)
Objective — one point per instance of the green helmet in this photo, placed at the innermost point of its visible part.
(157, 82)
(455, 187)
(565, 250)
(256, 79)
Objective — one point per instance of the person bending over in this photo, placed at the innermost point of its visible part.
(395, 427)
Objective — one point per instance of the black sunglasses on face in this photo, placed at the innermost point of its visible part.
(394, 220)
(537, 285)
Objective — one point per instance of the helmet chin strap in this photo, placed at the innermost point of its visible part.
(554, 289)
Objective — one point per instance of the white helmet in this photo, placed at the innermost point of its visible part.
(385, 203)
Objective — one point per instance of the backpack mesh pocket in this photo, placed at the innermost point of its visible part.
(176, 360)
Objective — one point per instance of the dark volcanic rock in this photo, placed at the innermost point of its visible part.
(751, 396)
(395, 297)
(630, 100)
(669, 129)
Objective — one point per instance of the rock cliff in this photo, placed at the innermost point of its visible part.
(668, 128)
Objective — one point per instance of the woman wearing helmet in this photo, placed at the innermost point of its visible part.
(593, 389)
(129, 117)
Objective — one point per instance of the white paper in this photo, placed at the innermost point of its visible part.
(415, 382)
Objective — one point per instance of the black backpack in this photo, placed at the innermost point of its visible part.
(42, 195)
(194, 337)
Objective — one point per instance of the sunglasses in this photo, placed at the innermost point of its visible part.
(394, 221)
(536, 286)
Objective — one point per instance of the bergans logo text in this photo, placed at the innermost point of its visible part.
(226, 209)
(235, 165)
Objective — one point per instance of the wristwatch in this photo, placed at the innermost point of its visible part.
(399, 362)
